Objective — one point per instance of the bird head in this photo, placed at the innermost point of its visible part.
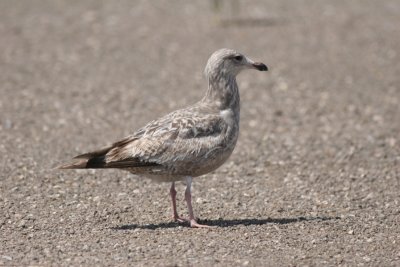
(228, 62)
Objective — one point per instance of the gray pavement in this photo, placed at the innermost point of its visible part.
(313, 181)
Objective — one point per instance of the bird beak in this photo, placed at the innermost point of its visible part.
(260, 66)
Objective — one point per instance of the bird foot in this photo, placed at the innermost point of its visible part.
(195, 224)
(180, 219)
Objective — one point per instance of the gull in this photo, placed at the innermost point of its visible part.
(185, 143)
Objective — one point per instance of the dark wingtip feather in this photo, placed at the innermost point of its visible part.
(94, 154)
(97, 162)
(92, 163)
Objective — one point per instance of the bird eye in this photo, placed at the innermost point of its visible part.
(238, 58)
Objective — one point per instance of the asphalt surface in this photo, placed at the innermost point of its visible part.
(313, 181)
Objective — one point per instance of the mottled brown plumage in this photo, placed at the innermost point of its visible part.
(185, 143)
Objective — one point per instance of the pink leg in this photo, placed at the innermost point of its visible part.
(172, 192)
(188, 198)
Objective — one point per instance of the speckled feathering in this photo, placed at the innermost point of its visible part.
(188, 142)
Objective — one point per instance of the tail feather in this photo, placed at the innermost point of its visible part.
(74, 165)
(97, 159)
(91, 160)
(93, 163)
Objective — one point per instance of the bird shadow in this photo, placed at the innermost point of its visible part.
(226, 223)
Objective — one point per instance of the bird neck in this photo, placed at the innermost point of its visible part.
(224, 91)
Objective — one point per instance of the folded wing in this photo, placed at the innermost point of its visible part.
(173, 138)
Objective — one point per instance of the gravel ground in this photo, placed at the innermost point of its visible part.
(314, 179)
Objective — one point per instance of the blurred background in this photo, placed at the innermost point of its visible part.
(319, 143)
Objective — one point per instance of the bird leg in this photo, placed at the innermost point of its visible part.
(176, 217)
(188, 198)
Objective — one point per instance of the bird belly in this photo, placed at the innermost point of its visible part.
(181, 169)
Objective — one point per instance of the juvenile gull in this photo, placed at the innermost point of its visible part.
(185, 143)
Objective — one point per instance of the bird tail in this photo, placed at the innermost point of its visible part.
(73, 165)
(91, 160)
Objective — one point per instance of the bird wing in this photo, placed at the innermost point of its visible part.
(177, 137)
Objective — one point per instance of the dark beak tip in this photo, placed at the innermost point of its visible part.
(260, 66)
